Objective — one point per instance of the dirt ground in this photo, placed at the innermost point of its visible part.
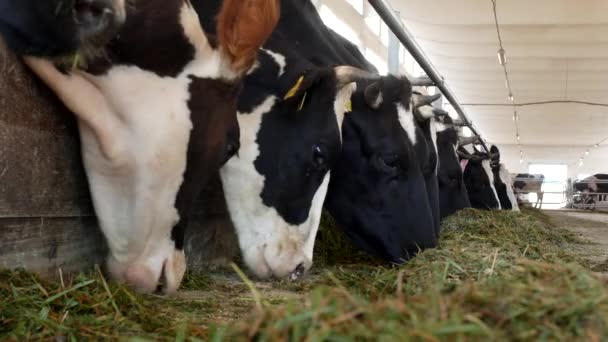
(592, 226)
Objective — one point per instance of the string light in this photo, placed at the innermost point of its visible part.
(502, 60)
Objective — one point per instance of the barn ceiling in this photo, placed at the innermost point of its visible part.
(557, 50)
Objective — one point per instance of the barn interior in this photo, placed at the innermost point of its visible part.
(529, 77)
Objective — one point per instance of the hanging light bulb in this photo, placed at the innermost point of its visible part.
(521, 161)
(502, 56)
(587, 152)
(580, 162)
(596, 145)
(511, 98)
(517, 137)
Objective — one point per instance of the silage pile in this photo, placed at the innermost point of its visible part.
(496, 276)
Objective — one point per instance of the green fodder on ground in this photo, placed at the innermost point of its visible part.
(496, 276)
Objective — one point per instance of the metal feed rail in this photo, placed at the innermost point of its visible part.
(405, 37)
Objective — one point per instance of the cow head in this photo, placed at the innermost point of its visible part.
(59, 27)
(479, 179)
(426, 146)
(143, 117)
(502, 181)
(290, 115)
(377, 192)
(452, 190)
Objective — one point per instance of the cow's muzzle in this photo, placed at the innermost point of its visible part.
(98, 20)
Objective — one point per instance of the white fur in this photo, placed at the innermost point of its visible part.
(433, 129)
(279, 59)
(134, 128)
(406, 119)
(505, 177)
(342, 98)
(486, 167)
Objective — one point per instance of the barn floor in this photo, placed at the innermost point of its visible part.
(591, 226)
(497, 276)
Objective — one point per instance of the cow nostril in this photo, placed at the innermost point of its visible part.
(298, 272)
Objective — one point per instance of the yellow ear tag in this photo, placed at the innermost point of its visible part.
(302, 102)
(348, 106)
(292, 92)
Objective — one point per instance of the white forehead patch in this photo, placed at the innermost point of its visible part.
(340, 104)
(486, 167)
(505, 177)
(279, 59)
(406, 119)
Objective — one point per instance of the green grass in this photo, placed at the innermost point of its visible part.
(496, 276)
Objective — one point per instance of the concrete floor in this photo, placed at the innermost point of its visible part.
(592, 226)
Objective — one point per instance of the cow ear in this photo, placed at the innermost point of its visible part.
(297, 95)
(373, 94)
(242, 28)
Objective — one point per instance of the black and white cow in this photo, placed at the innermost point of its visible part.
(54, 28)
(479, 179)
(453, 194)
(290, 113)
(156, 117)
(502, 181)
(591, 188)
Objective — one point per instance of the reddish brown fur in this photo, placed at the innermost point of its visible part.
(242, 28)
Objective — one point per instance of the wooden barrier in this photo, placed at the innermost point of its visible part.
(46, 217)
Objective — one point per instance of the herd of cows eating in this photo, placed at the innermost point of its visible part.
(167, 93)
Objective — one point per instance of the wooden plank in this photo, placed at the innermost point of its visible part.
(41, 173)
(43, 245)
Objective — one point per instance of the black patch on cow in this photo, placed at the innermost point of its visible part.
(453, 194)
(152, 39)
(212, 107)
(481, 194)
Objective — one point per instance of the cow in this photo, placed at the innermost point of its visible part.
(426, 117)
(502, 181)
(290, 114)
(59, 28)
(157, 117)
(453, 194)
(593, 189)
(525, 183)
(479, 179)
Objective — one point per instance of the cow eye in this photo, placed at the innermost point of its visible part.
(319, 157)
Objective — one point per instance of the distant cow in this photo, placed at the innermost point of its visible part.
(155, 116)
(59, 27)
(591, 188)
(502, 182)
(525, 183)
(479, 179)
(453, 194)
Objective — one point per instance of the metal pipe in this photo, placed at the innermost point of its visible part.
(405, 37)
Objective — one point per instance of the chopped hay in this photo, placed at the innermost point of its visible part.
(496, 276)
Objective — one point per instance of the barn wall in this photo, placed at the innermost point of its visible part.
(46, 216)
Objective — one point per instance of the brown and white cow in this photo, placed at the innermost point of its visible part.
(157, 116)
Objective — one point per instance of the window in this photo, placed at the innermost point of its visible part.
(331, 20)
(553, 185)
(373, 22)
